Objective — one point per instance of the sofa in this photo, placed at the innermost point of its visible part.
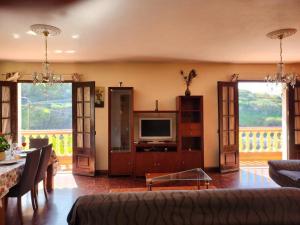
(286, 173)
(214, 207)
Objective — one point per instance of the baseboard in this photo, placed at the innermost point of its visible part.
(101, 172)
(212, 169)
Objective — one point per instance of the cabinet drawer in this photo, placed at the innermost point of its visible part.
(191, 129)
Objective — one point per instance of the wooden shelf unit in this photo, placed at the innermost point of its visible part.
(190, 131)
(186, 152)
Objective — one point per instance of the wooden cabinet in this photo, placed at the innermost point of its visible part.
(190, 160)
(190, 131)
(155, 162)
(120, 114)
(185, 151)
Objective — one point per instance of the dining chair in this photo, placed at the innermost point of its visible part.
(26, 182)
(41, 172)
(38, 142)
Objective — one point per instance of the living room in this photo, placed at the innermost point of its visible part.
(147, 47)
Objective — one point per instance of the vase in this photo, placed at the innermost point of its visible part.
(187, 91)
(2, 156)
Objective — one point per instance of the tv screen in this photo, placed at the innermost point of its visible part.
(156, 128)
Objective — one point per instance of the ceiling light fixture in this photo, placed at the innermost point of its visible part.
(75, 36)
(57, 51)
(30, 32)
(281, 76)
(46, 76)
(16, 36)
(70, 51)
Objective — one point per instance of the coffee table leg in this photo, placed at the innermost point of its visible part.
(150, 186)
(206, 184)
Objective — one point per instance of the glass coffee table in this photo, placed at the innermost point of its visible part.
(197, 175)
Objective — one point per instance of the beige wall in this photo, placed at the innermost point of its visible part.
(160, 81)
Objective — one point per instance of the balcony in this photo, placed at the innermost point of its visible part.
(260, 143)
(61, 140)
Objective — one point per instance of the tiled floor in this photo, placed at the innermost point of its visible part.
(69, 187)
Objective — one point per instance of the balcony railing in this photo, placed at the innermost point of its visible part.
(260, 139)
(60, 139)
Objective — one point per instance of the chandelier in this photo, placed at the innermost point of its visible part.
(281, 76)
(46, 76)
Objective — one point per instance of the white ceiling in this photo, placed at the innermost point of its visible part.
(155, 30)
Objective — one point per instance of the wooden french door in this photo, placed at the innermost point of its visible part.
(228, 126)
(83, 128)
(294, 122)
(9, 109)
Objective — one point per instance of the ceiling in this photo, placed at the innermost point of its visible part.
(153, 30)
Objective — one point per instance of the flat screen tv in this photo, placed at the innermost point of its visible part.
(155, 129)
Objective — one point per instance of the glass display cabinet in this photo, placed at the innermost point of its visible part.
(120, 130)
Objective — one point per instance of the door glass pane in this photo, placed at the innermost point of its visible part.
(225, 108)
(297, 93)
(225, 123)
(297, 108)
(6, 126)
(231, 123)
(79, 109)
(120, 117)
(225, 93)
(297, 122)
(87, 109)
(232, 137)
(5, 93)
(225, 138)
(87, 141)
(87, 125)
(79, 94)
(79, 140)
(5, 110)
(79, 125)
(231, 93)
(231, 108)
(87, 94)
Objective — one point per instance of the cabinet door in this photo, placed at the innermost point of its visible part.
(122, 163)
(165, 162)
(120, 128)
(191, 160)
(144, 163)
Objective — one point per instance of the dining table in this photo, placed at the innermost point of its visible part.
(10, 175)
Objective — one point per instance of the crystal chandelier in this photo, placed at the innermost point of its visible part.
(281, 76)
(46, 76)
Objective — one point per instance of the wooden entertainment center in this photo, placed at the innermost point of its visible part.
(129, 155)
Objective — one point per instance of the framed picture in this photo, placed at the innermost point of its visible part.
(99, 97)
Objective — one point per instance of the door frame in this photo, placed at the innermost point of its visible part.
(285, 118)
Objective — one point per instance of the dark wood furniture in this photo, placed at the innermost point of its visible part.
(84, 149)
(41, 172)
(228, 126)
(26, 182)
(38, 142)
(120, 129)
(190, 132)
(130, 156)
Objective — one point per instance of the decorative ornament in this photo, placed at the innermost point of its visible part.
(188, 80)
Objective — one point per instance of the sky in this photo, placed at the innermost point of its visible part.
(261, 87)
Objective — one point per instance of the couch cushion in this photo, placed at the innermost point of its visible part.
(294, 175)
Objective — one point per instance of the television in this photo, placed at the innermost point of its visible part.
(155, 129)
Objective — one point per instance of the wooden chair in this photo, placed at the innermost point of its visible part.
(38, 142)
(26, 182)
(41, 172)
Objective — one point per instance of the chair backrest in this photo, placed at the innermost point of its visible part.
(29, 172)
(43, 164)
(38, 142)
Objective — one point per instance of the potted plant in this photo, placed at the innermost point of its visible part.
(188, 80)
(3, 146)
